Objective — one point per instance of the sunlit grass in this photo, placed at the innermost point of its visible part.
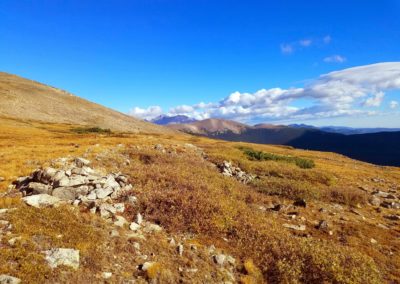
(185, 193)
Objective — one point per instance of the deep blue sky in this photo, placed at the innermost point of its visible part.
(140, 53)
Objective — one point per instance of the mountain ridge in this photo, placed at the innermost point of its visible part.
(380, 148)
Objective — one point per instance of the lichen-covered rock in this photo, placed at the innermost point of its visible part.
(41, 200)
(103, 192)
(62, 256)
(65, 193)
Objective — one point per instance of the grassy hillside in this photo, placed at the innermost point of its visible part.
(179, 187)
(26, 99)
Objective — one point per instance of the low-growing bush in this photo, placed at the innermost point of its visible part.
(263, 156)
(85, 130)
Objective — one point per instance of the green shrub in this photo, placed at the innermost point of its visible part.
(263, 156)
(84, 130)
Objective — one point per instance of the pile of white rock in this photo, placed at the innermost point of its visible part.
(227, 169)
(75, 183)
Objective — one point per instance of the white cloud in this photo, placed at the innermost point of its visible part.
(346, 92)
(393, 104)
(289, 48)
(375, 100)
(327, 39)
(286, 48)
(146, 113)
(335, 59)
(305, 42)
(181, 109)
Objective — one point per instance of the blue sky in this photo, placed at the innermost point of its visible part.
(130, 55)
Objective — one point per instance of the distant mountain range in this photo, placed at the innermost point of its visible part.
(346, 130)
(166, 120)
(382, 148)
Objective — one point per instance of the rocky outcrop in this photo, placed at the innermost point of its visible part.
(74, 182)
(385, 199)
(227, 169)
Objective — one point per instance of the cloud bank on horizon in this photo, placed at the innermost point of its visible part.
(353, 91)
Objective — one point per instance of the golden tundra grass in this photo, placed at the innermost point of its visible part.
(185, 194)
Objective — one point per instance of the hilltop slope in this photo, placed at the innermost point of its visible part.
(29, 100)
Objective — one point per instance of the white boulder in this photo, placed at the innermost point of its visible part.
(62, 256)
(41, 200)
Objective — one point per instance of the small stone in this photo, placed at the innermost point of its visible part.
(114, 233)
(134, 226)
(41, 200)
(13, 241)
(119, 207)
(172, 242)
(107, 210)
(63, 256)
(277, 207)
(111, 183)
(139, 218)
(393, 217)
(337, 206)
(93, 210)
(106, 275)
(180, 249)
(322, 225)
(120, 221)
(64, 181)
(135, 236)
(38, 188)
(65, 193)
(132, 200)
(4, 210)
(300, 203)
(153, 228)
(211, 249)
(231, 260)
(383, 226)
(295, 227)
(92, 195)
(103, 192)
(375, 201)
(58, 176)
(219, 259)
(147, 265)
(80, 162)
(7, 279)
(390, 204)
(82, 190)
(373, 241)
(22, 181)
